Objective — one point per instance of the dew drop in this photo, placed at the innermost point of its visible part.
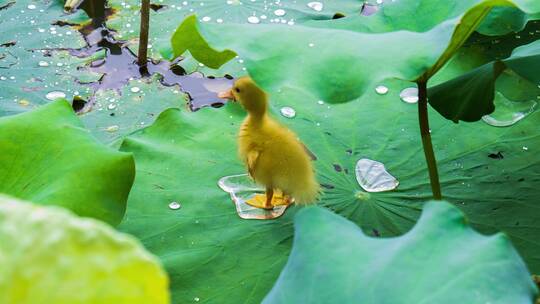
(280, 12)
(409, 95)
(175, 205)
(135, 89)
(253, 19)
(311, 44)
(381, 90)
(206, 18)
(111, 106)
(31, 6)
(43, 63)
(55, 95)
(219, 20)
(196, 299)
(3, 78)
(316, 6)
(288, 112)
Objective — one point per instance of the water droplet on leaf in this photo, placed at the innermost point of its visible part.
(381, 90)
(288, 112)
(253, 19)
(373, 177)
(316, 6)
(507, 112)
(55, 95)
(175, 205)
(409, 95)
(280, 12)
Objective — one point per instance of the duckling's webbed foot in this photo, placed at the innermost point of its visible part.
(272, 198)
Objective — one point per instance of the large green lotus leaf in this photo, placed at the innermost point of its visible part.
(49, 255)
(392, 43)
(470, 96)
(214, 256)
(441, 260)
(165, 20)
(49, 158)
(117, 114)
(33, 60)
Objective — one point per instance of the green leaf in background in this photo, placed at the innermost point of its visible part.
(469, 97)
(34, 61)
(340, 59)
(214, 256)
(49, 255)
(441, 260)
(169, 13)
(48, 158)
(188, 34)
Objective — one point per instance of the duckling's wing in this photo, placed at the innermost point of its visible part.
(251, 159)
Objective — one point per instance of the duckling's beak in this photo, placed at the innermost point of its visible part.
(227, 95)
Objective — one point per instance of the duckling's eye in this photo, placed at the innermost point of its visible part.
(237, 90)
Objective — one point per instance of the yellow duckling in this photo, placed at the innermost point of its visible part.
(272, 153)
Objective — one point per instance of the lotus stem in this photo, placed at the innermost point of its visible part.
(426, 140)
(143, 38)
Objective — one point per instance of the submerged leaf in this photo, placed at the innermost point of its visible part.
(441, 260)
(50, 255)
(48, 158)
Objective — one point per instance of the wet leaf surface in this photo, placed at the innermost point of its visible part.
(117, 114)
(32, 60)
(217, 257)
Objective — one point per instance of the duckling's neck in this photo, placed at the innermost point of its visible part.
(258, 111)
(257, 118)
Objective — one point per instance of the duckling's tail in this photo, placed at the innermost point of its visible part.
(308, 193)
